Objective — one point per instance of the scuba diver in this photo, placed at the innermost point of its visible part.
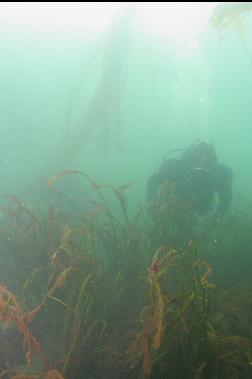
(195, 182)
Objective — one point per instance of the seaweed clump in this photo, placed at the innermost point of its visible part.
(112, 293)
(178, 338)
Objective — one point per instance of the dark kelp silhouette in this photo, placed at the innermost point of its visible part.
(101, 114)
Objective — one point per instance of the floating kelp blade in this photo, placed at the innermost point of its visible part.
(230, 16)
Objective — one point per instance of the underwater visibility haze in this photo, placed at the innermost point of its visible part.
(126, 208)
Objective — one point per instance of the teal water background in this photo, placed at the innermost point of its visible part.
(176, 90)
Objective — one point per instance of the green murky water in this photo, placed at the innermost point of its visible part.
(107, 90)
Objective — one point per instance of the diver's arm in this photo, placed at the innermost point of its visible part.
(152, 189)
(225, 198)
(168, 170)
(224, 189)
(153, 183)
